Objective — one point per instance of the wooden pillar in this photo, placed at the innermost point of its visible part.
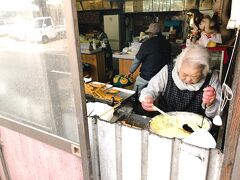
(223, 9)
(42, 7)
(233, 123)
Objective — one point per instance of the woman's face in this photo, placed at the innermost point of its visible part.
(190, 73)
(205, 23)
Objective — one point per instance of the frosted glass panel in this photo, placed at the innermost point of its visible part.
(35, 78)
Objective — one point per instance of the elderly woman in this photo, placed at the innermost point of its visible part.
(186, 86)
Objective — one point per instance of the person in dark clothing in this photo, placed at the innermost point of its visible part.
(153, 54)
(104, 42)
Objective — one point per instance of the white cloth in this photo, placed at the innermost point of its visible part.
(102, 110)
(205, 39)
(201, 138)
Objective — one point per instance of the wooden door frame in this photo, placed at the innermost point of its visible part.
(3, 165)
(79, 94)
(233, 122)
(79, 99)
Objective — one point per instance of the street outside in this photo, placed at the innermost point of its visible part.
(56, 45)
(29, 89)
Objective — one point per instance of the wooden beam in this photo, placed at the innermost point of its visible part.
(81, 5)
(78, 89)
(233, 124)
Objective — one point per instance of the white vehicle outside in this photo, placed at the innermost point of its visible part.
(45, 30)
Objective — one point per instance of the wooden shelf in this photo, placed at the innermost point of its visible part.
(97, 62)
(124, 67)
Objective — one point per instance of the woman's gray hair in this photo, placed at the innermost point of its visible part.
(195, 54)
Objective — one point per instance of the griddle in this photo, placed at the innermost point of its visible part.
(123, 93)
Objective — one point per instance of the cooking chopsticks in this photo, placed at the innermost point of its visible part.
(159, 110)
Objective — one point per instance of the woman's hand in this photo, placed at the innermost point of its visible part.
(147, 103)
(209, 95)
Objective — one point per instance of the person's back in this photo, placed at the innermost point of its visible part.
(153, 54)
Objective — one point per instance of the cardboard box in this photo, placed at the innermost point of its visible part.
(92, 5)
(156, 5)
(79, 7)
(147, 6)
(177, 6)
(138, 6)
(115, 5)
(189, 4)
(128, 6)
(106, 5)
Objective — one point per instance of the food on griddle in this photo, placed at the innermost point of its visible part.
(112, 91)
(99, 93)
(97, 85)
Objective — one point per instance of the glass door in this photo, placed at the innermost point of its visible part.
(40, 90)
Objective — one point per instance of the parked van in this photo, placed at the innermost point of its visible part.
(45, 30)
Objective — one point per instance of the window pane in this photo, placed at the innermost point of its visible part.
(48, 21)
(35, 78)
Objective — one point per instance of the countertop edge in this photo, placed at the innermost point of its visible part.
(124, 56)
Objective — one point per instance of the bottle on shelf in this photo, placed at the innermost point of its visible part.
(91, 46)
(94, 44)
